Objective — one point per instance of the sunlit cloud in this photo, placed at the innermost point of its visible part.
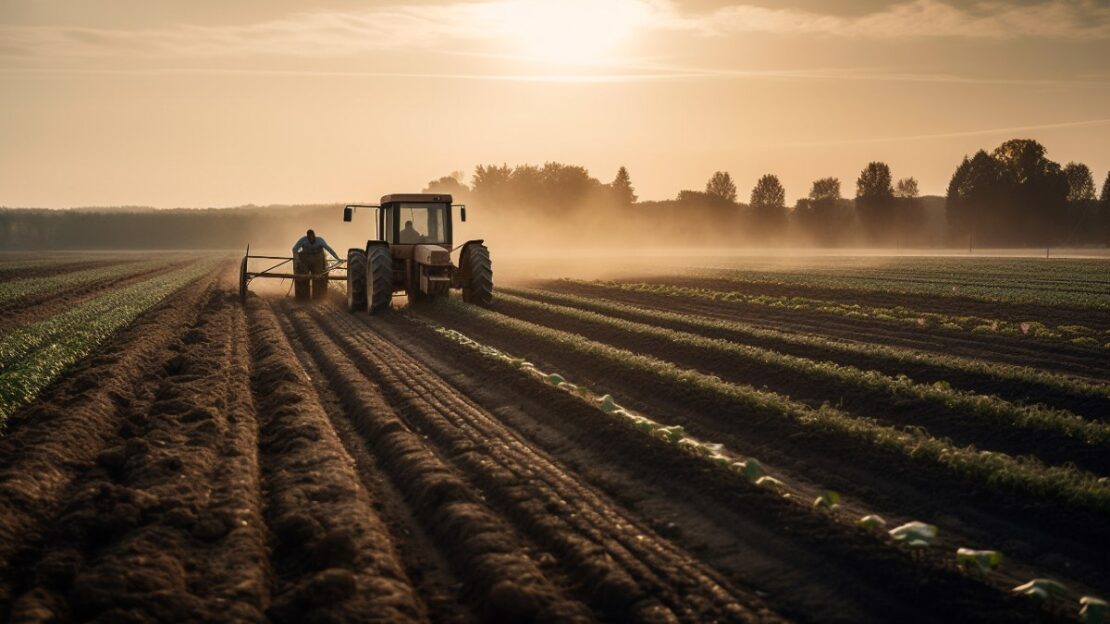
(549, 30)
(1054, 19)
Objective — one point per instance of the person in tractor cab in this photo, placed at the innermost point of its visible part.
(410, 235)
(308, 254)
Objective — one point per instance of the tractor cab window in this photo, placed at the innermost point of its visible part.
(421, 223)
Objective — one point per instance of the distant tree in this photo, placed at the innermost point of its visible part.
(450, 185)
(824, 216)
(910, 214)
(1037, 193)
(875, 200)
(768, 206)
(722, 186)
(825, 189)
(491, 183)
(976, 197)
(622, 188)
(906, 189)
(1081, 184)
(1104, 210)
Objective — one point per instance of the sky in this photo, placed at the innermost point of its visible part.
(197, 103)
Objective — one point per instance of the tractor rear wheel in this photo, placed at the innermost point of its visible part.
(379, 279)
(478, 288)
(356, 280)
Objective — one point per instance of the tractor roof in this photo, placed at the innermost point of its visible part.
(416, 198)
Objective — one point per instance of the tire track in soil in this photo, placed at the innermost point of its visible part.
(332, 558)
(1016, 390)
(799, 560)
(52, 442)
(1032, 531)
(504, 582)
(1089, 363)
(627, 567)
(1050, 446)
(26, 310)
(167, 526)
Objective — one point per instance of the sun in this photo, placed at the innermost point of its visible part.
(569, 31)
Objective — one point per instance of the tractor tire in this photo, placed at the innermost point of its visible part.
(379, 279)
(478, 288)
(356, 280)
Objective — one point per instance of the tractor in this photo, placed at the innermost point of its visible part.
(411, 253)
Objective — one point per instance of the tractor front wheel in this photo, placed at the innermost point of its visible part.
(356, 280)
(478, 287)
(379, 279)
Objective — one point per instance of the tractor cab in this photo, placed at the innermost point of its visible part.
(412, 253)
(414, 219)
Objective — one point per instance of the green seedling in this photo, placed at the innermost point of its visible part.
(915, 534)
(555, 379)
(830, 500)
(672, 434)
(981, 561)
(608, 405)
(1093, 610)
(1040, 588)
(770, 482)
(872, 522)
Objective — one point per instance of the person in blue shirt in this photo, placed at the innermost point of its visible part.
(312, 244)
(308, 257)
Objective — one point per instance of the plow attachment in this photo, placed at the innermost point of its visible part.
(305, 281)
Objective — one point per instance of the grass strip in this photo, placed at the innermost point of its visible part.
(1023, 476)
(33, 356)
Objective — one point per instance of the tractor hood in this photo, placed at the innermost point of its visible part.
(433, 255)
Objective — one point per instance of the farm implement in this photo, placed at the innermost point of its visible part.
(410, 254)
(307, 284)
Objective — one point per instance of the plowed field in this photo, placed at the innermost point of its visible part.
(289, 462)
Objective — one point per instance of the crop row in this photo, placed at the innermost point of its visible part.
(894, 357)
(914, 536)
(991, 409)
(15, 289)
(1001, 289)
(31, 357)
(898, 314)
(1024, 475)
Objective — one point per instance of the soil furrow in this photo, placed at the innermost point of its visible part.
(1033, 531)
(331, 555)
(504, 580)
(1083, 362)
(48, 444)
(546, 500)
(1051, 446)
(158, 530)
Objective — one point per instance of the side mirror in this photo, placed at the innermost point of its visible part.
(347, 214)
(462, 213)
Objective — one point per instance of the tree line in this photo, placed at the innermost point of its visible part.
(1011, 196)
